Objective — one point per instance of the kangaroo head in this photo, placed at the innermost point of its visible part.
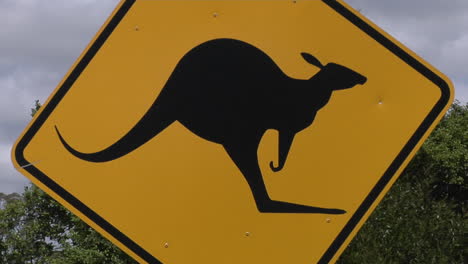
(337, 77)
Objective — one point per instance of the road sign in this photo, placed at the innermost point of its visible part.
(232, 131)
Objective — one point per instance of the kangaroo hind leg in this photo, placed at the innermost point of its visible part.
(244, 155)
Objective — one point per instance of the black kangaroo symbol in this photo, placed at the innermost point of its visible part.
(229, 92)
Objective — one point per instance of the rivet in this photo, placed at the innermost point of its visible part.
(215, 14)
(328, 220)
(166, 245)
(136, 28)
(294, 1)
(380, 102)
(247, 234)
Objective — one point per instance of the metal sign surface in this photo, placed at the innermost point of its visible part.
(232, 131)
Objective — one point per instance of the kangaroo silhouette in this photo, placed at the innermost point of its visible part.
(229, 92)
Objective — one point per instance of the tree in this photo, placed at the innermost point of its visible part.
(5, 198)
(37, 229)
(422, 219)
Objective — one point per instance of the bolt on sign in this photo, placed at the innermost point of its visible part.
(232, 131)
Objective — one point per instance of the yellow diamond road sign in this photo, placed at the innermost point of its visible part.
(232, 131)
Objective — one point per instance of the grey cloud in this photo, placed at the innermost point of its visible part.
(461, 88)
(39, 42)
(19, 90)
(17, 187)
(48, 35)
(9, 130)
(422, 9)
(10, 179)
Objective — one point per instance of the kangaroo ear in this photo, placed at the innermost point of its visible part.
(311, 59)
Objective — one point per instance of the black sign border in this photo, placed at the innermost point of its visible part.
(413, 141)
(354, 220)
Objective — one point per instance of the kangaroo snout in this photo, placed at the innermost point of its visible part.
(361, 79)
(342, 77)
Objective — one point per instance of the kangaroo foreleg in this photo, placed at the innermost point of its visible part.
(284, 145)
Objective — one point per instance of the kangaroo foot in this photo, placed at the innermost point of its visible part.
(284, 207)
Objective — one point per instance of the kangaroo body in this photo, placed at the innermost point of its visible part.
(229, 92)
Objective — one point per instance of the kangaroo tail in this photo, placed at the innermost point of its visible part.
(147, 128)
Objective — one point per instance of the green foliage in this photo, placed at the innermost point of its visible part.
(5, 198)
(446, 154)
(409, 227)
(36, 107)
(422, 219)
(37, 229)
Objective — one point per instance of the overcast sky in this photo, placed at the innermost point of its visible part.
(39, 40)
